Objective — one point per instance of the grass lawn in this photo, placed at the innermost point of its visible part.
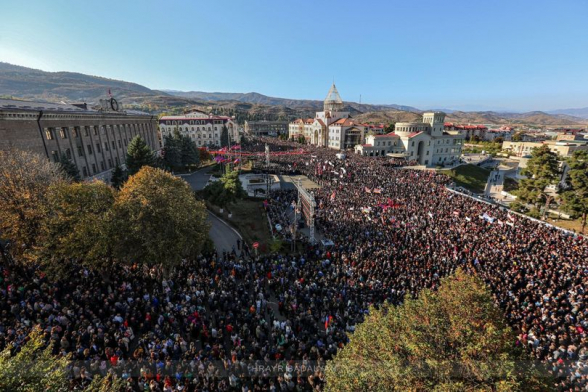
(510, 184)
(568, 224)
(470, 177)
(250, 219)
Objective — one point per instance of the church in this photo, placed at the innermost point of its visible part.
(333, 127)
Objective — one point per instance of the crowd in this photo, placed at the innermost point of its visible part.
(280, 207)
(228, 322)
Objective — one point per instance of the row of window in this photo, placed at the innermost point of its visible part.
(193, 122)
(50, 133)
(85, 171)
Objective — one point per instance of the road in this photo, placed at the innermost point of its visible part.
(223, 236)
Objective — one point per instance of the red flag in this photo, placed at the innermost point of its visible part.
(333, 196)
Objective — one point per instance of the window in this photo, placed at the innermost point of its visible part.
(87, 131)
(98, 150)
(85, 171)
(63, 133)
(89, 149)
(68, 153)
(102, 165)
(80, 151)
(49, 133)
(109, 163)
(113, 145)
(93, 168)
(55, 156)
(105, 146)
(119, 143)
(116, 160)
(96, 132)
(76, 131)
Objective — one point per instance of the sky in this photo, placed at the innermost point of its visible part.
(515, 55)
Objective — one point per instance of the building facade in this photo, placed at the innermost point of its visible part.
(95, 140)
(266, 128)
(204, 129)
(426, 142)
(565, 148)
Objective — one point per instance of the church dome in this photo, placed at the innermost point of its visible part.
(333, 102)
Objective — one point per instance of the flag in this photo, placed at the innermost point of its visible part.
(333, 196)
(236, 160)
(488, 218)
(377, 190)
(510, 217)
(328, 320)
(456, 213)
(468, 219)
(367, 190)
(431, 215)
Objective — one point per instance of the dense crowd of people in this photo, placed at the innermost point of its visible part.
(230, 322)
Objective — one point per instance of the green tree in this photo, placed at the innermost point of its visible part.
(225, 137)
(517, 137)
(138, 155)
(108, 383)
(225, 191)
(172, 154)
(454, 339)
(69, 168)
(118, 177)
(542, 170)
(189, 152)
(33, 368)
(25, 178)
(77, 227)
(575, 196)
(204, 155)
(159, 220)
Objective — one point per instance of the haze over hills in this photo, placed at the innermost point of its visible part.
(32, 84)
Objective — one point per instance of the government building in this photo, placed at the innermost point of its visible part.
(95, 140)
(204, 129)
(266, 128)
(426, 142)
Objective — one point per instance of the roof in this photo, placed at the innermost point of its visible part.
(414, 134)
(321, 122)
(8, 104)
(333, 95)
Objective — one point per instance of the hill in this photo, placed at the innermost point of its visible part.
(580, 112)
(33, 84)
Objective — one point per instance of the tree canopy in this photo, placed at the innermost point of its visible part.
(225, 191)
(158, 218)
(77, 226)
(542, 170)
(139, 154)
(180, 151)
(454, 339)
(25, 178)
(225, 137)
(69, 168)
(575, 196)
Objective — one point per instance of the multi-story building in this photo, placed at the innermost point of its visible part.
(427, 142)
(266, 128)
(565, 148)
(95, 140)
(204, 129)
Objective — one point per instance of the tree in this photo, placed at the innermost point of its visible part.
(33, 368)
(542, 170)
(225, 137)
(25, 178)
(517, 137)
(159, 220)
(204, 155)
(77, 227)
(454, 339)
(69, 168)
(138, 155)
(227, 190)
(189, 152)
(499, 140)
(118, 177)
(575, 196)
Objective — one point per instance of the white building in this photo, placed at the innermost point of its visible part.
(333, 127)
(426, 142)
(204, 129)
